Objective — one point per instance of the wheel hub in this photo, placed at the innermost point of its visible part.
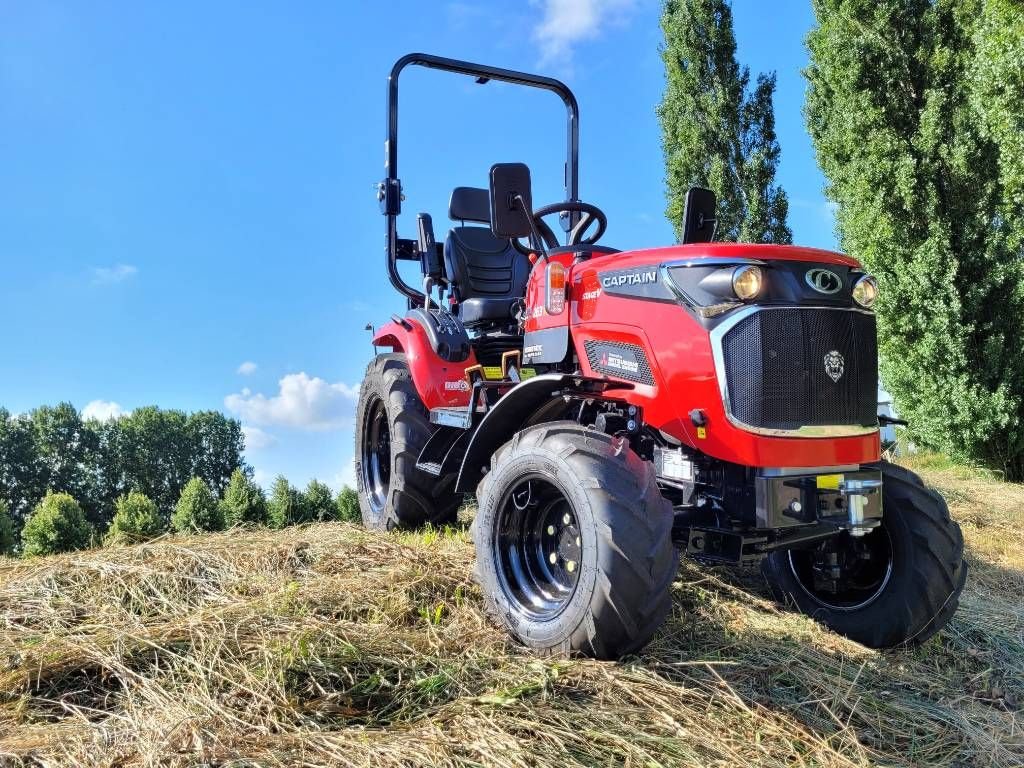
(376, 458)
(845, 573)
(539, 548)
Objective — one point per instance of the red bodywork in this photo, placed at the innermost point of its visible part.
(677, 346)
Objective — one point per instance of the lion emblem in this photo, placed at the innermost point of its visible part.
(834, 365)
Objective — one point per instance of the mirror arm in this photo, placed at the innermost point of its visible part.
(538, 241)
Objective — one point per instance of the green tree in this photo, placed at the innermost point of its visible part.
(318, 503)
(716, 132)
(136, 519)
(6, 530)
(244, 502)
(197, 509)
(158, 451)
(915, 109)
(286, 504)
(22, 483)
(348, 506)
(57, 524)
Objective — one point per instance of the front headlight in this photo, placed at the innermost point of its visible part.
(746, 281)
(865, 291)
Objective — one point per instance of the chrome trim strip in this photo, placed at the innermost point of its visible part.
(718, 333)
(674, 288)
(714, 261)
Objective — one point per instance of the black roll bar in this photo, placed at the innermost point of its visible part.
(389, 191)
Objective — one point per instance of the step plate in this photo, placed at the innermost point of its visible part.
(451, 417)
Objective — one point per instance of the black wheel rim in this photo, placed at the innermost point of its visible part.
(845, 573)
(376, 458)
(539, 548)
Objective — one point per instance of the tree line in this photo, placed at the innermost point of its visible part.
(58, 522)
(151, 450)
(67, 483)
(916, 111)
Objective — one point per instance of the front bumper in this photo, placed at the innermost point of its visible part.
(850, 497)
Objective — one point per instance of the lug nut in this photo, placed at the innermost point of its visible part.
(566, 519)
(570, 566)
(551, 530)
(552, 558)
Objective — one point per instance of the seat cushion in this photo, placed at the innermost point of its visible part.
(487, 269)
(476, 311)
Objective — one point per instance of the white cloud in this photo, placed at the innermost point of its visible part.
(302, 401)
(248, 368)
(567, 22)
(262, 478)
(102, 410)
(115, 274)
(347, 476)
(256, 438)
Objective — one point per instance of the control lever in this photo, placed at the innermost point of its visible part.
(430, 256)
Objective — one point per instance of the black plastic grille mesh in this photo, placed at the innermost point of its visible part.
(597, 352)
(778, 378)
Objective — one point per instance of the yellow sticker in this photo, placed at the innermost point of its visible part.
(702, 432)
(829, 482)
(492, 372)
(527, 373)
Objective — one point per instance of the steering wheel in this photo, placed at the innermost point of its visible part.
(590, 214)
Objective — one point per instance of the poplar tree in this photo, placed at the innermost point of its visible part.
(717, 132)
(915, 109)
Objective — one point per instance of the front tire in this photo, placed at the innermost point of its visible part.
(573, 542)
(392, 426)
(899, 585)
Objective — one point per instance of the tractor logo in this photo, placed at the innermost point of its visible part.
(834, 365)
(824, 281)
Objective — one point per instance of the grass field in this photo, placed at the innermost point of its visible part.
(328, 645)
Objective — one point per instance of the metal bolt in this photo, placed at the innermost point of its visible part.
(566, 519)
(570, 566)
(551, 530)
(552, 558)
(631, 425)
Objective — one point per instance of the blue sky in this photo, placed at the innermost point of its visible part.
(187, 215)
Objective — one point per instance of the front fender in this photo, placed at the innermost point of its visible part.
(530, 402)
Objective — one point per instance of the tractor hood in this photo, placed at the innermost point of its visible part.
(699, 276)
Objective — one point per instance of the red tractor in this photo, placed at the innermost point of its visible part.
(612, 409)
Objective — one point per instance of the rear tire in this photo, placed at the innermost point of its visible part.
(919, 589)
(557, 492)
(392, 425)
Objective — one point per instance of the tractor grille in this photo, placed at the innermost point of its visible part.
(789, 368)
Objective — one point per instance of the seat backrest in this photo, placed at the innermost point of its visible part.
(480, 265)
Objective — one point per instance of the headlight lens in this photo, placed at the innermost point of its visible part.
(865, 291)
(746, 281)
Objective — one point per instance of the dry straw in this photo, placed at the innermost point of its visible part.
(330, 646)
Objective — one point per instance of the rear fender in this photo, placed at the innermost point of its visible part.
(438, 382)
(530, 402)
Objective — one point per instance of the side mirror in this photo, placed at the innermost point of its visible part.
(511, 200)
(699, 220)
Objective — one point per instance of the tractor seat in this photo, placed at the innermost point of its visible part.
(488, 275)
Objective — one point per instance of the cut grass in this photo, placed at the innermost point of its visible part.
(329, 645)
